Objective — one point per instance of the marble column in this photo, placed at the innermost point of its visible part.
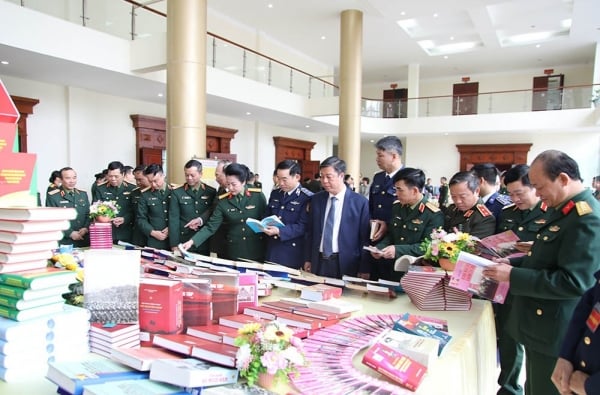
(186, 84)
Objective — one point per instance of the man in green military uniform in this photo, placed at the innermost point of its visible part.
(413, 219)
(547, 283)
(190, 207)
(468, 213)
(142, 183)
(524, 217)
(118, 190)
(233, 208)
(153, 208)
(69, 196)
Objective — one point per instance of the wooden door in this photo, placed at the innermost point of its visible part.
(309, 168)
(464, 98)
(149, 156)
(394, 103)
(547, 92)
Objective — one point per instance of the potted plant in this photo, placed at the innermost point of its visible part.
(104, 211)
(268, 354)
(443, 248)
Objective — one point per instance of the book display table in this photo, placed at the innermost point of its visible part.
(467, 366)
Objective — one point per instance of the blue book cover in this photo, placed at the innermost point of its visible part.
(409, 323)
(71, 376)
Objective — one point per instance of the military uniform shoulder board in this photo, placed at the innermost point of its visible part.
(223, 195)
(396, 202)
(306, 191)
(510, 206)
(135, 189)
(178, 186)
(484, 210)
(504, 199)
(146, 189)
(103, 183)
(432, 207)
(583, 208)
(254, 190)
(208, 187)
(173, 186)
(80, 190)
(54, 191)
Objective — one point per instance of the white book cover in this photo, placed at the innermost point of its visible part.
(421, 349)
(191, 372)
(111, 285)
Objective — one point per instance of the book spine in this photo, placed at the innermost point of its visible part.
(14, 280)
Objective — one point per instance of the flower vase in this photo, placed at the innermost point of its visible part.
(446, 264)
(274, 384)
(103, 219)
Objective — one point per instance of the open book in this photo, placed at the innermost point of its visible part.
(500, 245)
(468, 276)
(258, 226)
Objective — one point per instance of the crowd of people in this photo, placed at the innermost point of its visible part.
(328, 222)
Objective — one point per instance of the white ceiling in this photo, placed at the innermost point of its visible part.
(387, 47)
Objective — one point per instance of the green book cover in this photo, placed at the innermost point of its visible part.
(39, 278)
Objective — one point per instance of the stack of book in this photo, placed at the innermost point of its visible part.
(160, 307)
(106, 337)
(27, 347)
(427, 287)
(33, 293)
(28, 235)
(101, 235)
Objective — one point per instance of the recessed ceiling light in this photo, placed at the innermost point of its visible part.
(372, 141)
(248, 113)
(445, 56)
(323, 37)
(402, 13)
(537, 45)
(270, 5)
(5, 62)
(160, 95)
(451, 38)
(435, 15)
(307, 126)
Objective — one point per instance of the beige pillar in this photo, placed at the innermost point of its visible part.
(186, 84)
(350, 90)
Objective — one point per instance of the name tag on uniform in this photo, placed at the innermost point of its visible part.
(250, 207)
(204, 197)
(185, 198)
(593, 320)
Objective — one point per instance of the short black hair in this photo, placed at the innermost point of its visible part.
(153, 169)
(487, 171)
(517, 173)
(555, 162)
(115, 165)
(465, 176)
(411, 177)
(139, 168)
(65, 169)
(293, 165)
(193, 163)
(333, 161)
(54, 175)
(127, 169)
(238, 170)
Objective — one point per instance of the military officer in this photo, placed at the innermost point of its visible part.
(381, 198)
(118, 190)
(413, 218)
(489, 182)
(547, 283)
(141, 183)
(153, 208)
(69, 196)
(233, 208)
(577, 369)
(468, 213)
(290, 202)
(525, 218)
(190, 207)
(217, 241)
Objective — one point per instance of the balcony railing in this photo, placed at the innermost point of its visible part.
(134, 20)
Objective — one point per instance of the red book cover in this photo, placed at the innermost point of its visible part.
(197, 302)
(320, 314)
(395, 365)
(237, 320)
(160, 306)
(113, 331)
(247, 292)
(263, 312)
(223, 354)
(318, 292)
(180, 343)
(212, 332)
(283, 306)
(300, 321)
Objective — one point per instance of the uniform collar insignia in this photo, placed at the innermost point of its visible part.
(468, 213)
(554, 228)
(421, 207)
(544, 207)
(247, 193)
(568, 207)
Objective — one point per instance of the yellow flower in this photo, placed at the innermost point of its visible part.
(249, 329)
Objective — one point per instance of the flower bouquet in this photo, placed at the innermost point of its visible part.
(443, 245)
(107, 209)
(269, 349)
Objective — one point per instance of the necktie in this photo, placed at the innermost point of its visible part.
(328, 230)
(387, 179)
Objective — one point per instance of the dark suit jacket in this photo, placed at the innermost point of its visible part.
(353, 234)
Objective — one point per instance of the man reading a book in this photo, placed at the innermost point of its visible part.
(546, 284)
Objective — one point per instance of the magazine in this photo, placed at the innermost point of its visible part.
(468, 276)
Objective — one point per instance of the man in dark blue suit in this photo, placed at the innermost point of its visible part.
(338, 226)
(489, 183)
(290, 202)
